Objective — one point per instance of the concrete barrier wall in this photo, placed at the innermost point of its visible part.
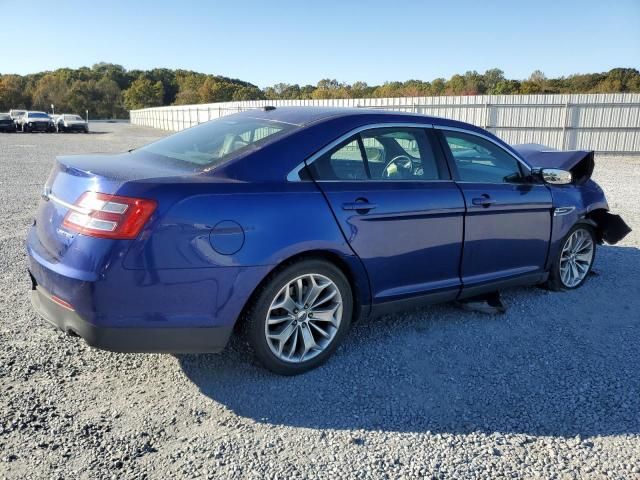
(607, 123)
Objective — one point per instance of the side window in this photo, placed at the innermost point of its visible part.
(479, 160)
(400, 154)
(344, 162)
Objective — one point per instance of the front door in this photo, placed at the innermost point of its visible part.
(508, 220)
(399, 210)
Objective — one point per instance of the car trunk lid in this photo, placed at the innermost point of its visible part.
(71, 177)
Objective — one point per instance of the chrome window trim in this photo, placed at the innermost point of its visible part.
(528, 184)
(385, 181)
(489, 139)
(294, 175)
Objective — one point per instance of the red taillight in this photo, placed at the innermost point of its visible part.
(109, 216)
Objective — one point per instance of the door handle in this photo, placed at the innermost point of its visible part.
(359, 206)
(484, 201)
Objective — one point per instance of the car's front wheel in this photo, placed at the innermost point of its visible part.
(574, 260)
(298, 319)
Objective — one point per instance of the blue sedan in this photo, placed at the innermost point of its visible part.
(287, 224)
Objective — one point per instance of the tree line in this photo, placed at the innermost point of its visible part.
(109, 91)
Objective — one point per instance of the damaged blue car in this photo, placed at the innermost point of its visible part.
(287, 224)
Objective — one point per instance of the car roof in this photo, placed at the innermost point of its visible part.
(305, 116)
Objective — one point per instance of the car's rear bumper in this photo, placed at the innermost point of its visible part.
(125, 339)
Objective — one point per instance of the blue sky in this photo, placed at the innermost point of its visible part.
(267, 42)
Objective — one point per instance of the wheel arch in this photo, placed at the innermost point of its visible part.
(351, 267)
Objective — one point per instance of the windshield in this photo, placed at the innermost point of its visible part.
(217, 141)
(38, 115)
(73, 117)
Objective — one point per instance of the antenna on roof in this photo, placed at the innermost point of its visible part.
(268, 108)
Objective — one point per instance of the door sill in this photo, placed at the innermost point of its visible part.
(500, 284)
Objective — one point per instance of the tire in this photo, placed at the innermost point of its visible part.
(299, 327)
(25, 128)
(558, 280)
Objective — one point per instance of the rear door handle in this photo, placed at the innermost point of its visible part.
(359, 206)
(484, 201)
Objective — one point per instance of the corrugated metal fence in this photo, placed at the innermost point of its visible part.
(607, 123)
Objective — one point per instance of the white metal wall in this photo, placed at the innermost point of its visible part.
(607, 123)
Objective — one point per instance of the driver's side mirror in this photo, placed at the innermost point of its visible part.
(555, 176)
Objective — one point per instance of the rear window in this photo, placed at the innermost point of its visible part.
(4, 116)
(73, 117)
(38, 115)
(218, 141)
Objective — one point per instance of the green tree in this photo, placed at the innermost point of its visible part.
(214, 90)
(492, 78)
(536, 83)
(189, 84)
(620, 80)
(111, 71)
(330, 88)
(12, 93)
(248, 93)
(107, 90)
(51, 89)
(143, 93)
(506, 87)
(455, 85)
(438, 87)
(388, 90)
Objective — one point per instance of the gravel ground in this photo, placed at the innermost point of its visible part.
(548, 390)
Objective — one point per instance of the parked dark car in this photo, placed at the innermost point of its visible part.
(70, 123)
(6, 123)
(35, 122)
(287, 224)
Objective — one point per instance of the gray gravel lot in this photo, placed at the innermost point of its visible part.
(549, 390)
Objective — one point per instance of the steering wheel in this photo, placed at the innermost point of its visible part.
(401, 164)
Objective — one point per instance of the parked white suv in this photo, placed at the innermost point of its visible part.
(34, 122)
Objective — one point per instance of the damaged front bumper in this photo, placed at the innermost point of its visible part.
(611, 227)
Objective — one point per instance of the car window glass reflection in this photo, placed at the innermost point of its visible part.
(479, 160)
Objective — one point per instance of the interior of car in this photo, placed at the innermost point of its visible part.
(382, 154)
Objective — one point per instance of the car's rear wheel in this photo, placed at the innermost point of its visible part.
(300, 316)
(575, 259)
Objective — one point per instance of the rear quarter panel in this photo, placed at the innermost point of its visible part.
(278, 221)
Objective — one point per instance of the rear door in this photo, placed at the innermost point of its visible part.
(508, 221)
(398, 209)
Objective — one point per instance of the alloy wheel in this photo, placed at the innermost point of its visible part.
(303, 318)
(576, 257)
